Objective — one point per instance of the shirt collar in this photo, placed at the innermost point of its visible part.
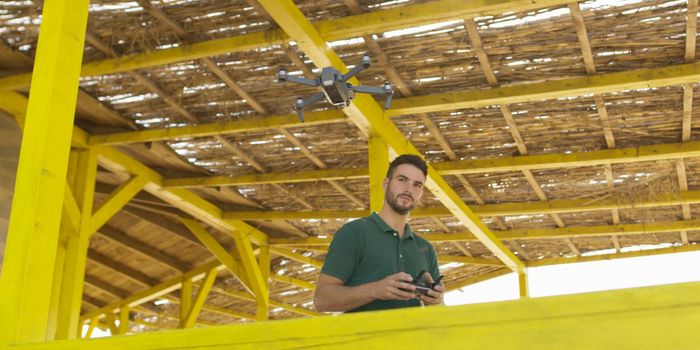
(408, 233)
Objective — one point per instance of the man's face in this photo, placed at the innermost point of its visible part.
(403, 191)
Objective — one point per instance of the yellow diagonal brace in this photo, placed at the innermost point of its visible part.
(289, 254)
(202, 294)
(30, 252)
(264, 260)
(116, 201)
(70, 207)
(255, 276)
(231, 260)
(367, 115)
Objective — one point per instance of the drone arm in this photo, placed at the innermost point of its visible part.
(311, 99)
(369, 90)
(302, 81)
(357, 69)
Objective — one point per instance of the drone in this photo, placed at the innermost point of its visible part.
(335, 88)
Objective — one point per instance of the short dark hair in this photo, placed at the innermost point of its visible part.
(412, 159)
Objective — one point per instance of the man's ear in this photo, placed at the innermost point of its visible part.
(385, 184)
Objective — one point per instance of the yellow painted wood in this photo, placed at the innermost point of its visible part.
(378, 166)
(523, 288)
(93, 323)
(116, 201)
(485, 210)
(185, 301)
(157, 291)
(232, 260)
(469, 260)
(259, 285)
(30, 251)
(660, 317)
(123, 320)
(202, 294)
(623, 255)
(16, 105)
(289, 254)
(294, 281)
(479, 166)
(217, 128)
(264, 261)
(76, 247)
(259, 179)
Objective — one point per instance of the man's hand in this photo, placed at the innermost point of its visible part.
(390, 288)
(434, 297)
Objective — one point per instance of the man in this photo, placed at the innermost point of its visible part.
(372, 260)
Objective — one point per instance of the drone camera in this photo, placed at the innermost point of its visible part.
(282, 75)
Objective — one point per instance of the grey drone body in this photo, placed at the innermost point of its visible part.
(335, 87)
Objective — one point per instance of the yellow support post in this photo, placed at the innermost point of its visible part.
(116, 201)
(523, 286)
(202, 294)
(378, 166)
(27, 276)
(123, 320)
(250, 264)
(76, 247)
(185, 300)
(264, 262)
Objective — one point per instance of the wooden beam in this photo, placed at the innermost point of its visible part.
(143, 249)
(32, 240)
(651, 317)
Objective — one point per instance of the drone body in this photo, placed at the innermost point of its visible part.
(335, 88)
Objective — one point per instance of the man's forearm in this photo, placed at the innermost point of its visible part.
(338, 298)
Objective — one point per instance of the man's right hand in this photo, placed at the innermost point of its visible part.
(390, 288)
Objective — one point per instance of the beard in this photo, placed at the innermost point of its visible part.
(392, 200)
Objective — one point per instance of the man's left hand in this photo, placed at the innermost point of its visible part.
(434, 296)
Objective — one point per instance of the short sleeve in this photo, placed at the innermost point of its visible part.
(342, 258)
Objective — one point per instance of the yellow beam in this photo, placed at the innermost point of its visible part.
(486, 210)
(623, 255)
(294, 281)
(523, 288)
(652, 317)
(116, 201)
(258, 283)
(289, 254)
(259, 179)
(232, 260)
(479, 166)
(217, 128)
(340, 28)
(469, 260)
(549, 90)
(273, 303)
(123, 320)
(202, 294)
(31, 246)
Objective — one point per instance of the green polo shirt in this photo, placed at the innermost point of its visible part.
(368, 249)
